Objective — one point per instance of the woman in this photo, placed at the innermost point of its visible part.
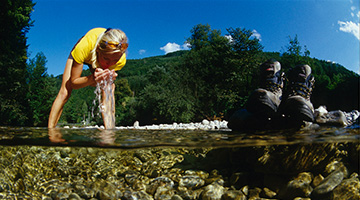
(103, 50)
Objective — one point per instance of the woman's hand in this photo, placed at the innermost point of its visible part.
(101, 74)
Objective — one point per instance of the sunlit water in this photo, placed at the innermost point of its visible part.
(38, 163)
(106, 109)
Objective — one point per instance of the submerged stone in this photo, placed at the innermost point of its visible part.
(348, 189)
(329, 183)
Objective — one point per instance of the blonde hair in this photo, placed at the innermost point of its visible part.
(110, 35)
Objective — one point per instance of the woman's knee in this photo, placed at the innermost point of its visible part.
(64, 93)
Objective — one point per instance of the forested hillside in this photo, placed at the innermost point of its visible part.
(210, 80)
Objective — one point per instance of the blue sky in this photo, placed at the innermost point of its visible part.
(329, 28)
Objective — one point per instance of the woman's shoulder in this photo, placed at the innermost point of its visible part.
(95, 31)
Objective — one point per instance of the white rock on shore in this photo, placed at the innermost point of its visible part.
(204, 125)
(322, 116)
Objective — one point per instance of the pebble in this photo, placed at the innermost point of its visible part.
(329, 183)
(95, 173)
(337, 117)
(204, 125)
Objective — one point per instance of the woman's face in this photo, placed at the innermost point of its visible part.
(108, 59)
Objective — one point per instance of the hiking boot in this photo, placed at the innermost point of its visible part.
(265, 100)
(263, 103)
(297, 107)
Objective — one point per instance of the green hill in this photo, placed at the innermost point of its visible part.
(158, 95)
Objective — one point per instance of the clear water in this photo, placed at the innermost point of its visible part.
(37, 163)
(124, 139)
(107, 108)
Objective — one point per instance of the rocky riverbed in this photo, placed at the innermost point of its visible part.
(306, 171)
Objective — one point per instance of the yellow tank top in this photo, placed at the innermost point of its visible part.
(81, 52)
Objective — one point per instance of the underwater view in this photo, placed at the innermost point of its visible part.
(90, 163)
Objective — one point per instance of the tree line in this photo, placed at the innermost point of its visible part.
(211, 80)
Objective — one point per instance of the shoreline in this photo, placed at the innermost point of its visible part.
(322, 117)
(203, 125)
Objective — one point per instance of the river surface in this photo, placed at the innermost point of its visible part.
(37, 163)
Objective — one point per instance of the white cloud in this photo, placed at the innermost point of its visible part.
(353, 8)
(329, 61)
(229, 37)
(256, 34)
(142, 51)
(171, 47)
(186, 46)
(350, 27)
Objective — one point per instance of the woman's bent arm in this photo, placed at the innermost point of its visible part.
(76, 80)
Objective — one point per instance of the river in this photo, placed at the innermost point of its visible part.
(83, 163)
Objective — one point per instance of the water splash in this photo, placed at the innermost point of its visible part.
(106, 106)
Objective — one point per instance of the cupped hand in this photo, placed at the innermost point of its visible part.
(101, 74)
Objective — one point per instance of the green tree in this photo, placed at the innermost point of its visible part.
(204, 69)
(40, 93)
(219, 70)
(15, 22)
(244, 61)
(294, 47)
(294, 56)
(164, 100)
(124, 102)
(199, 36)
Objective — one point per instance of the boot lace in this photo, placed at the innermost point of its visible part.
(275, 83)
(302, 89)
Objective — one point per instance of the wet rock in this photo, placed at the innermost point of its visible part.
(131, 177)
(139, 185)
(254, 193)
(134, 195)
(317, 180)
(213, 191)
(176, 197)
(266, 192)
(336, 118)
(336, 166)
(329, 183)
(84, 191)
(234, 195)
(145, 155)
(293, 158)
(355, 124)
(347, 189)
(298, 187)
(168, 161)
(164, 192)
(245, 190)
(160, 173)
(74, 196)
(184, 193)
(157, 182)
(191, 181)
